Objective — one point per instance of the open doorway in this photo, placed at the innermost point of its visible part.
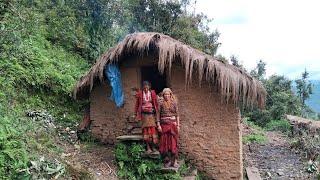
(158, 81)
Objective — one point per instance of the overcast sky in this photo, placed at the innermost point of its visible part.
(283, 33)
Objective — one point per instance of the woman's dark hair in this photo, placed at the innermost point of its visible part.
(146, 83)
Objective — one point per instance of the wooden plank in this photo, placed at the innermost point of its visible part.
(253, 173)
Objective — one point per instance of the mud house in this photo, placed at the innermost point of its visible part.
(209, 93)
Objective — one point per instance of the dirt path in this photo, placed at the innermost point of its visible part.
(275, 159)
(98, 160)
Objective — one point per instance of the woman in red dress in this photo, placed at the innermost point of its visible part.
(169, 126)
(146, 110)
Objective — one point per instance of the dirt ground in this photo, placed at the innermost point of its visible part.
(83, 160)
(90, 161)
(275, 159)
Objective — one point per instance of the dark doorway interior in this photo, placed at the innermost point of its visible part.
(151, 74)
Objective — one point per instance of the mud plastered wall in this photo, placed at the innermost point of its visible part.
(210, 129)
(108, 121)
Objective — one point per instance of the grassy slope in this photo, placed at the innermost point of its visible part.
(35, 75)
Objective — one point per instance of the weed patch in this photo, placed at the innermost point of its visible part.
(131, 164)
(279, 125)
(257, 134)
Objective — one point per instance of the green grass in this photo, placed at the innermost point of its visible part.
(34, 75)
(131, 164)
(254, 138)
(257, 135)
(252, 124)
(279, 125)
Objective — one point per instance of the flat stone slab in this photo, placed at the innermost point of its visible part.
(136, 131)
(152, 155)
(130, 138)
(189, 178)
(172, 169)
(253, 173)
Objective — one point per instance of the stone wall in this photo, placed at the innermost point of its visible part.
(210, 130)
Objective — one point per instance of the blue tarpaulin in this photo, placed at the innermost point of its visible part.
(112, 72)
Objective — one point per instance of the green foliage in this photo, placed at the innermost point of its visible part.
(279, 125)
(280, 100)
(252, 124)
(13, 153)
(46, 45)
(131, 164)
(235, 61)
(260, 71)
(304, 88)
(171, 18)
(45, 169)
(34, 74)
(312, 167)
(256, 136)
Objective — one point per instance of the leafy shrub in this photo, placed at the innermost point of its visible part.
(255, 138)
(280, 100)
(45, 169)
(13, 151)
(46, 45)
(279, 125)
(252, 124)
(131, 164)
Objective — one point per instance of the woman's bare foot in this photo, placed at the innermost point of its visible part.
(175, 164)
(154, 150)
(149, 151)
(166, 165)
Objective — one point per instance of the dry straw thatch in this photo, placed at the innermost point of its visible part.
(232, 83)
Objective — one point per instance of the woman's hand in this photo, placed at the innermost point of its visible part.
(159, 128)
(178, 128)
(136, 118)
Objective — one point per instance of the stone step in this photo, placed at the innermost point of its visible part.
(152, 155)
(172, 169)
(189, 178)
(136, 131)
(253, 173)
(191, 175)
(130, 138)
(131, 125)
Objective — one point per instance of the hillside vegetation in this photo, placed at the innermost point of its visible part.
(46, 45)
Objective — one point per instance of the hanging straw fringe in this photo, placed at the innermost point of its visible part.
(232, 83)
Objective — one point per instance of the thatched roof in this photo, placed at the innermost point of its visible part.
(232, 83)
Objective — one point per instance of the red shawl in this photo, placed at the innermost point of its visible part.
(138, 106)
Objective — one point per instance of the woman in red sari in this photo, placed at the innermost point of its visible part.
(146, 110)
(169, 126)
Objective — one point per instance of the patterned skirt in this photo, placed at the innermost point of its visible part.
(169, 138)
(149, 130)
